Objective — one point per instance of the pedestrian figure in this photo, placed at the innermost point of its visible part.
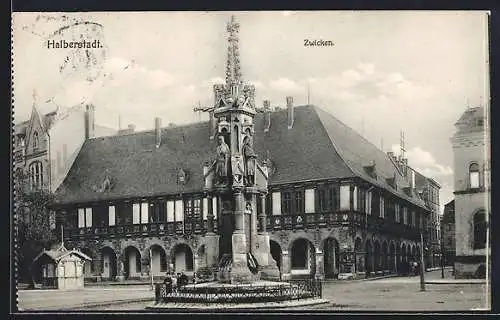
(183, 280)
(168, 283)
(175, 283)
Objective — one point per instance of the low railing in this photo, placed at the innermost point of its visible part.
(49, 283)
(241, 293)
(153, 228)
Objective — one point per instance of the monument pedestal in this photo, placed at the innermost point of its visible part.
(267, 265)
(239, 269)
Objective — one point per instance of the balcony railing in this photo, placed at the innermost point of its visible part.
(305, 221)
(147, 229)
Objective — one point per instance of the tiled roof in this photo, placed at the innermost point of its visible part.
(358, 153)
(317, 147)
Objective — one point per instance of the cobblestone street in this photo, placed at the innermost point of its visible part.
(389, 294)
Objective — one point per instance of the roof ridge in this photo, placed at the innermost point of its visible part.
(335, 147)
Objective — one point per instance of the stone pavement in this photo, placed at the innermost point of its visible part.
(387, 294)
(88, 297)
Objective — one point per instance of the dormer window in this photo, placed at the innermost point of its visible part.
(474, 176)
(35, 140)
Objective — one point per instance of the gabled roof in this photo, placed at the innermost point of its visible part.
(359, 154)
(57, 254)
(317, 147)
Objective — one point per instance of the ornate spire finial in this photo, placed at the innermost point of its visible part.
(233, 73)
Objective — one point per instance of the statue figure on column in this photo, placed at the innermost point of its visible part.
(222, 160)
(250, 156)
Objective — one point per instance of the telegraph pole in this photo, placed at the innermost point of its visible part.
(442, 252)
(422, 267)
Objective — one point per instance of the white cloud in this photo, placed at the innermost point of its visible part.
(285, 84)
(424, 162)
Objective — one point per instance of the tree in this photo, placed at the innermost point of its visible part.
(35, 224)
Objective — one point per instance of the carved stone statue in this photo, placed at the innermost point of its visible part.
(249, 156)
(222, 159)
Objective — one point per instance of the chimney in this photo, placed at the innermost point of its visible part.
(289, 106)
(158, 131)
(89, 122)
(267, 115)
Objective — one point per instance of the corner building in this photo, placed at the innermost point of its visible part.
(472, 193)
(150, 202)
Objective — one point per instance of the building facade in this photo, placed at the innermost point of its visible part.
(428, 189)
(143, 203)
(471, 149)
(448, 233)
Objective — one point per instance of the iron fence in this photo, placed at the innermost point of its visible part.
(241, 293)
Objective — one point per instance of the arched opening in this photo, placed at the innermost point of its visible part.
(331, 258)
(276, 253)
(408, 253)
(385, 256)
(403, 253)
(158, 260)
(360, 255)
(132, 263)
(392, 255)
(109, 266)
(479, 230)
(302, 257)
(378, 256)
(413, 253)
(182, 258)
(474, 176)
(88, 266)
(369, 256)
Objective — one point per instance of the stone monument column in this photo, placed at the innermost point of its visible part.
(239, 270)
(211, 239)
(285, 265)
(320, 273)
(269, 268)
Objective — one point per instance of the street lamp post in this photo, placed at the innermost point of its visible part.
(422, 267)
(442, 254)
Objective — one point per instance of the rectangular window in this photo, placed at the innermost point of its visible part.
(88, 217)
(332, 198)
(474, 179)
(111, 215)
(144, 212)
(405, 215)
(413, 218)
(214, 207)
(382, 207)
(179, 210)
(397, 216)
(345, 199)
(369, 202)
(299, 202)
(309, 193)
(81, 218)
(205, 208)
(136, 213)
(197, 208)
(170, 211)
(276, 203)
(188, 209)
(355, 198)
(286, 204)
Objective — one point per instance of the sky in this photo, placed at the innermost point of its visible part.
(387, 71)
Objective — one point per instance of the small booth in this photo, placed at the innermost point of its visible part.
(61, 268)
